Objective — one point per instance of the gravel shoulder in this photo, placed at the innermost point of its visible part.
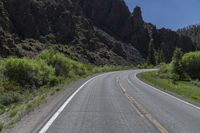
(34, 121)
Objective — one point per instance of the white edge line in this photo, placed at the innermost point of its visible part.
(53, 118)
(187, 103)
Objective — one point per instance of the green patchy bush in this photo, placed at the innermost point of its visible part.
(191, 64)
(57, 60)
(165, 68)
(2, 109)
(13, 113)
(27, 71)
(10, 86)
(177, 67)
(196, 82)
(164, 71)
(63, 66)
(1, 127)
(10, 98)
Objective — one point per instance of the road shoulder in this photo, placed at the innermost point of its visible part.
(36, 119)
(169, 93)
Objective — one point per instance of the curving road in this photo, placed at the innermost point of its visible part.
(119, 102)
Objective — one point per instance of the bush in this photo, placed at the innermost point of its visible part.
(55, 80)
(177, 67)
(10, 98)
(191, 64)
(13, 113)
(64, 66)
(165, 68)
(2, 109)
(28, 71)
(57, 60)
(1, 127)
(196, 82)
(10, 86)
(164, 71)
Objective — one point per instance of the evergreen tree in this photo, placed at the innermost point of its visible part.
(162, 57)
(156, 55)
(151, 53)
(177, 67)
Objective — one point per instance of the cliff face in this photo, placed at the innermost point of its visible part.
(29, 26)
(114, 17)
(95, 31)
(169, 40)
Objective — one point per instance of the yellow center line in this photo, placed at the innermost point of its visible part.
(142, 112)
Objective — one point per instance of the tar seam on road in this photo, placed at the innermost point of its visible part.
(142, 112)
(53, 118)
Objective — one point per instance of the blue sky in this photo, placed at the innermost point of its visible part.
(171, 14)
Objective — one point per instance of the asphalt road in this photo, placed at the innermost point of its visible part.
(119, 102)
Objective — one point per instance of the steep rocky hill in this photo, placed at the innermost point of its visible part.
(91, 31)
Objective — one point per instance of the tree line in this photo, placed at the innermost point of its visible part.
(192, 31)
(155, 56)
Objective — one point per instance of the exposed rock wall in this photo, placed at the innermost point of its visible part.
(91, 31)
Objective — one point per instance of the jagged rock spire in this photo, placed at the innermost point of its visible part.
(137, 15)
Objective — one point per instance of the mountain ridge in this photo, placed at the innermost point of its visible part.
(83, 31)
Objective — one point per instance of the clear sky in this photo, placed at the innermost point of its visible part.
(171, 14)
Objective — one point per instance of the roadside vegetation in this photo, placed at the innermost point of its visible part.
(25, 83)
(181, 77)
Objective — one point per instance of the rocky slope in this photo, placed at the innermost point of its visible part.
(91, 31)
(114, 17)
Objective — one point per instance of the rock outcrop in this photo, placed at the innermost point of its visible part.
(91, 31)
(114, 17)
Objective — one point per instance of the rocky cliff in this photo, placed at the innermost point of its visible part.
(91, 31)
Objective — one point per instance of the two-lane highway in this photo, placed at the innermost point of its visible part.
(119, 102)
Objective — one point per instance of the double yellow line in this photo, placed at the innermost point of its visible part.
(141, 111)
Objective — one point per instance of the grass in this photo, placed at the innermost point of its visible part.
(35, 103)
(184, 89)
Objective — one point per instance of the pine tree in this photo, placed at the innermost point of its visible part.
(177, 67)
(151, 53)
(159, 56)
(162, 57)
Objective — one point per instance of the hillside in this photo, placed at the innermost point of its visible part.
(193, 32)
(90, 31)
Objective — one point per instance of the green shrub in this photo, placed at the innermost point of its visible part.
(196, 82)
(10, 98)
(2, 109)
(26, 71)
(164, 71)
(1, 127)
(13, 113)
(164, 68)
(10, 86)
(177, 67)
(57, 60)
(78, 69)
(55, 80)
(64, 66)
(191, 64)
